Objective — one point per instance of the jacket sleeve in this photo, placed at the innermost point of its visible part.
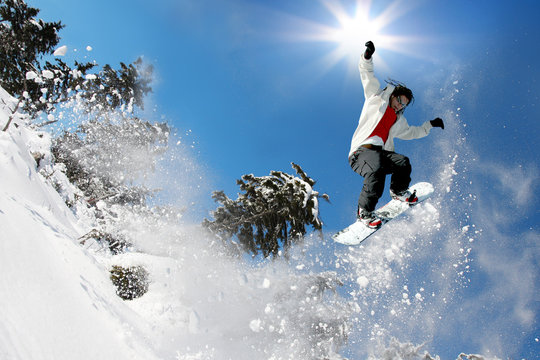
(407, 132)
(369, 81)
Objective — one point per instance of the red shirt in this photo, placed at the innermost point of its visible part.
(383, 127)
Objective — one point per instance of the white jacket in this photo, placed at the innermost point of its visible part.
(376, 102)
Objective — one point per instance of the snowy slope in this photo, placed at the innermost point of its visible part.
(56, 301)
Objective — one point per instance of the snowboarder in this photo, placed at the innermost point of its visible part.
(372, 147)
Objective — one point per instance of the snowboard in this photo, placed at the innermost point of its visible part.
(356, 233)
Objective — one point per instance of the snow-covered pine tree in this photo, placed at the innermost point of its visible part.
(105, 152)
(270, 214)
(110, 149)
(106, 90)
(105, 157)
(25, 40)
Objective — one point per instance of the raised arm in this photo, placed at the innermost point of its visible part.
(365, 66)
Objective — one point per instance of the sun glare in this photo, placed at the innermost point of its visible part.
(352, 31)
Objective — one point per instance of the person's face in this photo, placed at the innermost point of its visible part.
(399, 103)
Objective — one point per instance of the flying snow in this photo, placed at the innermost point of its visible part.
(61, 51)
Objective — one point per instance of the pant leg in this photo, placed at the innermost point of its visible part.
(400, 167)
(369, 164)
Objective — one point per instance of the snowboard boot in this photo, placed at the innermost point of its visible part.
(369, 218)
(405, 196)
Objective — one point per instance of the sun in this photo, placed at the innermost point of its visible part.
(352, 31)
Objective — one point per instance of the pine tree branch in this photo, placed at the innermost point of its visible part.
(250, 219)
(12, 115)
(46, 123)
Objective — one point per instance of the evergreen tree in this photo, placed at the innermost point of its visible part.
(23, 41)
(100, 155)
(110, 149)
(270, 214)
(99, 93)
(105, 157)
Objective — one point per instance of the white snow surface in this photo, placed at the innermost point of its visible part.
(56, 301)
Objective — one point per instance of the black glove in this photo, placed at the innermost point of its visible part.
(370, 49)
(437, 122)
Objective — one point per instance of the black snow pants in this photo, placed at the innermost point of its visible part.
(374, 164)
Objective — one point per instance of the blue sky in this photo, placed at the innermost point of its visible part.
(256, 87)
